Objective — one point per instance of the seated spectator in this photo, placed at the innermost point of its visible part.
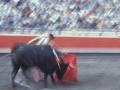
(60, 15)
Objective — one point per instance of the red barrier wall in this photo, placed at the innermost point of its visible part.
(7, 41)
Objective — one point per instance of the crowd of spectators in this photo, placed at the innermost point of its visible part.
(60, 14)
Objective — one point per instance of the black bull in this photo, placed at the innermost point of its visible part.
(25, 56)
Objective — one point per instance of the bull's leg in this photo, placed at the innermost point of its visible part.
(14, 72)
(24, 72)
(45, 79)
(52, 78)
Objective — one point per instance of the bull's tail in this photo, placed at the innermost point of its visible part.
(14, 64)
(5, 55)
(14, 71)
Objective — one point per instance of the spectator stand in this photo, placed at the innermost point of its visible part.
(60, 16)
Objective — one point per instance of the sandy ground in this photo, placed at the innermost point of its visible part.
(95, 72)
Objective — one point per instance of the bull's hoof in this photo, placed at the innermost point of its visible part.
(13, 86)
(54, 83)
(45, 85)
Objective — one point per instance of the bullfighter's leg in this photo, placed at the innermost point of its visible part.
(14, 72)
(53, 80)
(45, 79)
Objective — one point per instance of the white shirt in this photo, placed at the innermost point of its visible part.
(43, 41)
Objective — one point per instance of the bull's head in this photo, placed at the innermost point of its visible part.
(60, 72)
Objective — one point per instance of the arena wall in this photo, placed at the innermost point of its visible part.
(68, 43)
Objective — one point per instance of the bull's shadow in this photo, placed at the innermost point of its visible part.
(29, 83)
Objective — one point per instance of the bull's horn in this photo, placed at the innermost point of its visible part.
(71, 66)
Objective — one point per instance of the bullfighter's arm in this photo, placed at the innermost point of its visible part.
(35, 40)
(39, 42)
